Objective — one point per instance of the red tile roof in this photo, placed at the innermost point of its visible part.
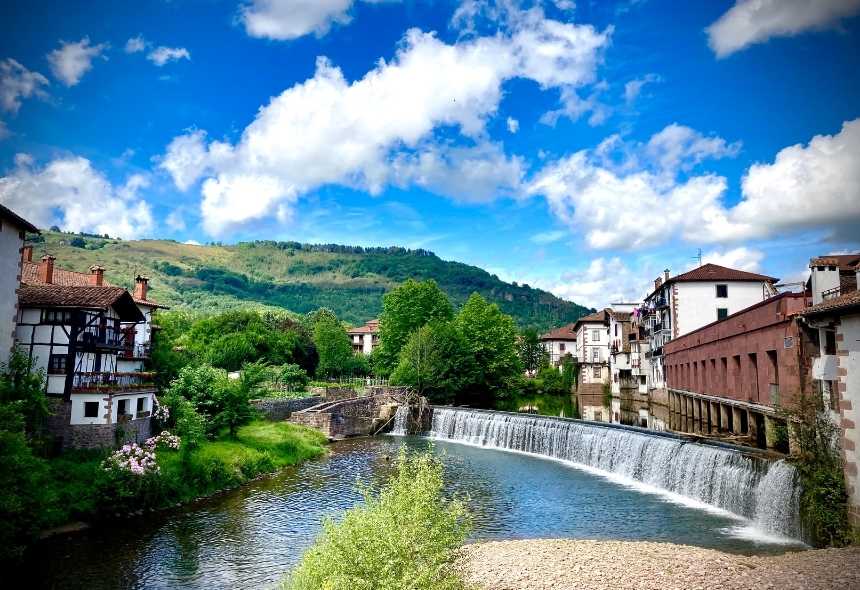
(371, 327)
(837, 304)
(601, 317)
(845, 262)
(81, 297)
(69, 278)
(567, 332)
(715, 272)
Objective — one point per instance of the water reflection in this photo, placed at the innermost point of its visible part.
(249, 537)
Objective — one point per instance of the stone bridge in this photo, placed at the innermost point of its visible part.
(360, 415)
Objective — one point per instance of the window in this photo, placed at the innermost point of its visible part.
(722, 291)
(595, 372)
(561, 346)
(595, 335)
(722, 313)
(595, 355)
(616, 329)
(56, 316)
(141, 404)
(91, 409)
(122, 407)
(829, 342)
(57, 364)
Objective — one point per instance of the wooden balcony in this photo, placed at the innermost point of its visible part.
(136, 352)
(111, 383)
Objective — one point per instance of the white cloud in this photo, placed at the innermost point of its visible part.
(513, 125)
(70, 193)
(71, 61)
(633, 88)
(175, 220)
(574, 106)
(639, 201)
(604, 281)
(817, 185)
(290, 19)
(755, 21)
(192, 242)
(473, 175)
(548, 237)
(17, 82)
(741, 258)
(161, 55)
(135, 44)
(328, 130)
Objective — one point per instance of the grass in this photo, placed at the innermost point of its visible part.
(260, 447)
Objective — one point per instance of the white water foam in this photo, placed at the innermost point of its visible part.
(763, 496)
(401, 418)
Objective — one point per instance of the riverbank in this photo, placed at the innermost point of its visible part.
(81, 492)
(603, 565)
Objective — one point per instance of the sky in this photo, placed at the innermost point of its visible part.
(580, 147)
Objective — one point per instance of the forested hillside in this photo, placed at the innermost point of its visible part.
(299, 277)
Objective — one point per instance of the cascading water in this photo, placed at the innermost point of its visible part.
(763, 491)
(401, 418)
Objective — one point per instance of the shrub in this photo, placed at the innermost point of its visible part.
(405, 537)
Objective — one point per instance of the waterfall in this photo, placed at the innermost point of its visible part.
(401, 418)
(762, 491)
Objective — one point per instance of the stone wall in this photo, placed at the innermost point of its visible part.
(280, 409)
(358, 416)
(92, 436)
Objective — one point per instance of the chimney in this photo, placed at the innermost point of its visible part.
(27, 254)
(46, 269)
(657, 282)
(666, 275)
(141, 286)
(97, 275)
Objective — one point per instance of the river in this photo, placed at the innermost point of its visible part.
(248, 538)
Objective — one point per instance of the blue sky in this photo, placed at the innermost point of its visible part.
(580, 147)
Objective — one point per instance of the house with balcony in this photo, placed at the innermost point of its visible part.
(686, 302)
(559, 342)
(628, 380)
(834, 323)
(13, 230)
(364, 338)
(592, 354)
(76, 335)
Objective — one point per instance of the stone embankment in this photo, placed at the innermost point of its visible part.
(603, 565)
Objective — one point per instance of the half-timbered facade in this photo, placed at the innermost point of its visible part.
(77, 336)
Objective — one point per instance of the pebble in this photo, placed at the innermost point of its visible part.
(562, 564)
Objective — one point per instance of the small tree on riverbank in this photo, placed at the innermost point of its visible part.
(404, 537)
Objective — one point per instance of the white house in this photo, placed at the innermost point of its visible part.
(12, 232)
(559, 342)
(681, 304)
(835, 316)
(592, 352)
(75, 335)
(365, 338)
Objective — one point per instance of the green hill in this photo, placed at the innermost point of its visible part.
(299, 277)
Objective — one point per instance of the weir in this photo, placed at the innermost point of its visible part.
(765, 492)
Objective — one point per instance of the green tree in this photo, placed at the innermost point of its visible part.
(437, 363)
(406, 537)
(492, 338)
(405, 309)
(24, 389)
(531, 351)
(234, 408)
(333, 346)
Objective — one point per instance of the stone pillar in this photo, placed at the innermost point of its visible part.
(736, 419)
(697, 415)
(724, 418)
(752, 428)
(715, 418)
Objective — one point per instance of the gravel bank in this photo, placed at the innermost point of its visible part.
(603, 565)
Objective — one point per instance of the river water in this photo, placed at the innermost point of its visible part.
(249, 537)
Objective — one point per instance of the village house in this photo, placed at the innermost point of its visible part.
(592, 353)
(559, 343)
(93, 340)
(13, 230)
(365, 338)
(628, 381)
(834, 322)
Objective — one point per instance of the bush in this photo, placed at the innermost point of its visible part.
(406, 537)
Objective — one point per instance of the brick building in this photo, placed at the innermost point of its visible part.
(732, 377)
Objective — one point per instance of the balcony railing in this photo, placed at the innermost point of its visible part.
(98, 382)
(101, 336)
(831, 293)
(136, 351)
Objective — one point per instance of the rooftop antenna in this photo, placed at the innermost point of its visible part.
(698, 256)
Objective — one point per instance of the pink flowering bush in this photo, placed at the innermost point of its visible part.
(134, 459)
(165, 440)
(160, 412)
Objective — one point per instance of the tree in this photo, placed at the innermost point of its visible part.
(23, 389)
(333, 346)
(437, 363)
(531, 351)
(405, 309)
(203, 386)
(234, 408)
(492, 338)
